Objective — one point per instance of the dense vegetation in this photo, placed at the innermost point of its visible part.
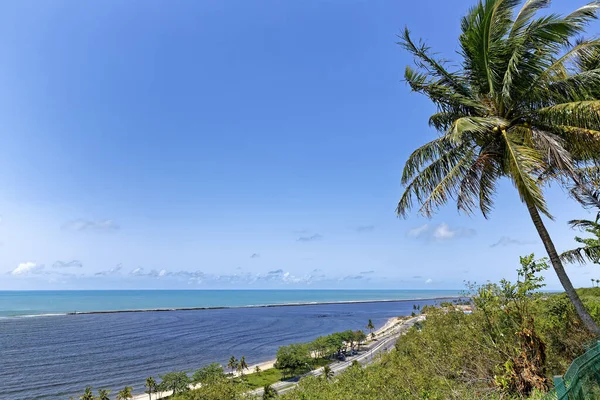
(510, 346)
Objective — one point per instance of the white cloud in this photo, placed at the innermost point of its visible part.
(429, 280)
(112, 271)
(439, 233)
(442, 232)
(27, 268)
(163, 272)
(81, 225)
(418, 231)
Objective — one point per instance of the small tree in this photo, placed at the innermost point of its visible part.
(125, 393)
(178, 382)
(257, 370)
(269, 392)
(370, 327)
(359, 337)
(242, 365)
(292, 358)
(327, 372)
(103, 394)
(88, 394)
(150, 386)
(210, 373)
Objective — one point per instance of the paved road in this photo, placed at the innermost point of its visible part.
(383, 344)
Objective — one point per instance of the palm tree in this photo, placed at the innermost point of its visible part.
(232, 364)
(269, 392)
(257, 370)
(242, 365)
(151, 386)
(125, 393)
(370, 327)
(103, 394)
(590, 251)
(327, 372)
(513, 110)
(88, 394)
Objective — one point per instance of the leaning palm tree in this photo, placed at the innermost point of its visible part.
(151, 386)
(125, 393)
(370, 326)
(242, 365)
(514, 109)
(232, 364)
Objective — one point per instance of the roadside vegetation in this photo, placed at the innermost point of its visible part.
(512, 344)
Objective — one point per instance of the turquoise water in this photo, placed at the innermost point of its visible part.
(35, 303)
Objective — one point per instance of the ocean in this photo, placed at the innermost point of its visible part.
(46, 353)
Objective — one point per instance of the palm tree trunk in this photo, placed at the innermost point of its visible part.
(586, 318)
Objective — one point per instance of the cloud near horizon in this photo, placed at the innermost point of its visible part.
(508, 241)
(81, 225)
(114, 270)
(365, 228)
(27, 268)
(439, 233)
(311, 238)
(68, 264)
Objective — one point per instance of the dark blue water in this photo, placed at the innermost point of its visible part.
(55, 357)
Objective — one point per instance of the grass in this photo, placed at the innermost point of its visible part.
(272, 375)
(266, 377)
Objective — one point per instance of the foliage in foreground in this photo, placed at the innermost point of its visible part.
(509, 347)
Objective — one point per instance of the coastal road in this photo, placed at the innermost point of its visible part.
(385, 343)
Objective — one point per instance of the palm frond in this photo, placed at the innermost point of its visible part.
(581, 255)
(521, 164)
(434, 67)
(479, 184)
(579, 114)
(553, 150)
(525, 15)
(583, 48)
(436, 182)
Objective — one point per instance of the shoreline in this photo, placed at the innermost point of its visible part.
(207, 308)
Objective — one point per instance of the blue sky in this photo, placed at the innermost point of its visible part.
(233, 144)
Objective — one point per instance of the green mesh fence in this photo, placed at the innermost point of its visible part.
(582, 379)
